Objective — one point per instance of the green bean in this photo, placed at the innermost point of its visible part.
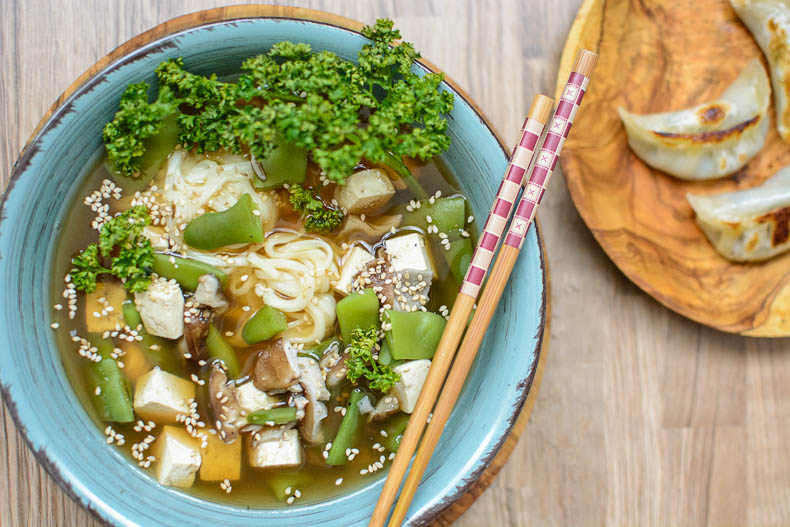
(413, 334)
(280, 483)
(112, 394)
(263, 325)
(277, 416)
(348, 432)
(238, 224)
(394, 428)
(285, 164)
(185, 271)
(219, 348)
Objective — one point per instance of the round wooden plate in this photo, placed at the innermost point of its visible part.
(659, 56)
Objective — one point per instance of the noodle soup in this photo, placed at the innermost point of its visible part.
(250, 317)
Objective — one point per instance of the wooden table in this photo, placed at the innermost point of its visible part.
(643, 417)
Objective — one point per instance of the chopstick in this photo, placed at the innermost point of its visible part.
(514, 179)
(506, 259)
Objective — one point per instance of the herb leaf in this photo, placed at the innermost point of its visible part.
(131, 254)
(317, 217)
(360, 362)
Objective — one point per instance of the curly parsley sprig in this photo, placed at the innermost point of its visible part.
(340, 112)
(360, 362)
(121, 242)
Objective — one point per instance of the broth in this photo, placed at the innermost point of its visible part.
(315, 480)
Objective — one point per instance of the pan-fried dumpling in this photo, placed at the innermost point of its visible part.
(708, 141)
(747, 225)
(769, 22)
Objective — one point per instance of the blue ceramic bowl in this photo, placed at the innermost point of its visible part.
(33, 381)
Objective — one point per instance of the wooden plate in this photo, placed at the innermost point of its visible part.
(661, 56)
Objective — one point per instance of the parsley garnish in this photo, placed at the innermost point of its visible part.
(338, 111)
(360, 362)
(129, 252)
(317, 216)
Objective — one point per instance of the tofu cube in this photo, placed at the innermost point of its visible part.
(365, 191)
(275, 449)
(161, 307)
(161, 396)
(251, 399)
(220, 460)
(407, 389)
(177, 457)
(355, 261)
(98, 318)
(411, 262)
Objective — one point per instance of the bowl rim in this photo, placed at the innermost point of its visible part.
(528, 388)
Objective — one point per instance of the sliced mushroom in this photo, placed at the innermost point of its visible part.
(196, 324)
(378, 275)
(310, 428)
(209, 293)
(224, 406)
(275, 367)
(385, 407)
(311, 379)
(337, 373)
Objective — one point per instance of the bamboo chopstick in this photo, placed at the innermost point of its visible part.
(511, 247)
(515, 177)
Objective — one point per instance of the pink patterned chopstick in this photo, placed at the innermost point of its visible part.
(549, 154)
(515, 177)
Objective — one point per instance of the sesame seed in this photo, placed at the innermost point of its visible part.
(339, 481)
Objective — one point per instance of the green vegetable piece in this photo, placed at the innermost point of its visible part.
(278, 416)
(317, 216)
(458, 257)
(414, 334)
(130, 314)
(286, 164)
(394, 427)
(113, 400)
(185, 271)
(385, 356)
(264, 324)
(349, 431)
(447, 214)
(218, 348)
(237, 224)
(279, 483)
(357, 310)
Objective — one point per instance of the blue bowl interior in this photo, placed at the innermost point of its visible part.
(35, 385)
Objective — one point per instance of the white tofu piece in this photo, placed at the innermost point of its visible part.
(251, 399)
(161, 396)
(157, 236)
(410, 254)
(161, 307)
(364, 191)
(412, 377)
(275, 449)
(209, 292)
(177, 457)
(355, 261)
(411, 262)
(311, 379)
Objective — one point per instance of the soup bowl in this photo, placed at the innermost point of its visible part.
(45, 183)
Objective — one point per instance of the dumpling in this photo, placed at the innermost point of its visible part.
(747, 225)
(708, 141)
(769, 22)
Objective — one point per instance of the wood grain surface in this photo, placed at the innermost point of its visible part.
(643, 418)
(660, 56)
